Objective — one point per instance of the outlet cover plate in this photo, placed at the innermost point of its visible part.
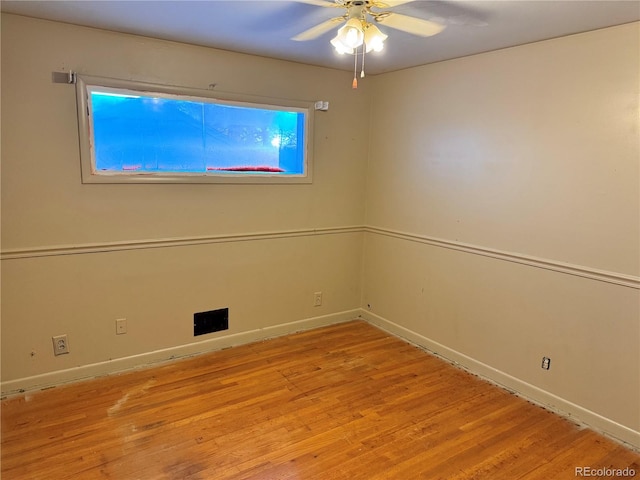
(60, 345)
(121, 326)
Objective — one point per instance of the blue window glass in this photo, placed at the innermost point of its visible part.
(140, 133)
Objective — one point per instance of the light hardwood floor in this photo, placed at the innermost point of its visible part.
(341, 402)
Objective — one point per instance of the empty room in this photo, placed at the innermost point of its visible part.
(318, 239)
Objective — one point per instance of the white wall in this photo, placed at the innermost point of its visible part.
(501, 196)
(84, 282)
(503, 205)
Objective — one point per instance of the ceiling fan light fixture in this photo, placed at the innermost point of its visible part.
(340, 48)
(374, 38)
(350, 35)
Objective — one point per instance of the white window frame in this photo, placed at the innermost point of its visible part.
(85, 127)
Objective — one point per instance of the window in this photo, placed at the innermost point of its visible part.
(137, 133)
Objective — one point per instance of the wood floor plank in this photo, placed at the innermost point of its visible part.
(341, 402)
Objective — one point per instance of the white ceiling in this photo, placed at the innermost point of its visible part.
(265, 27)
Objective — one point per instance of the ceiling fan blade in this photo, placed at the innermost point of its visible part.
(390, 3)
(413, 25)
(315, 32)
(318, 3)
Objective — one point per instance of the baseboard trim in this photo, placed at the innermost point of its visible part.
(558, 405)
(530, 392)
(144, 360)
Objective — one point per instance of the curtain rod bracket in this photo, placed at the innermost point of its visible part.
(64, 77)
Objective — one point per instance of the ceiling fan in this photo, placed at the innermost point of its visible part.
(360, 30)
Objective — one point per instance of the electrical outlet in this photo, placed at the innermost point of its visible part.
(121, 326)
(546, 363)
(60, 345)
(317, 299)
(321, 105)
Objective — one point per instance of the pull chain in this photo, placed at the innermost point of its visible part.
(354, 84)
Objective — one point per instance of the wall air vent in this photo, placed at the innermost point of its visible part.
(211, 321)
